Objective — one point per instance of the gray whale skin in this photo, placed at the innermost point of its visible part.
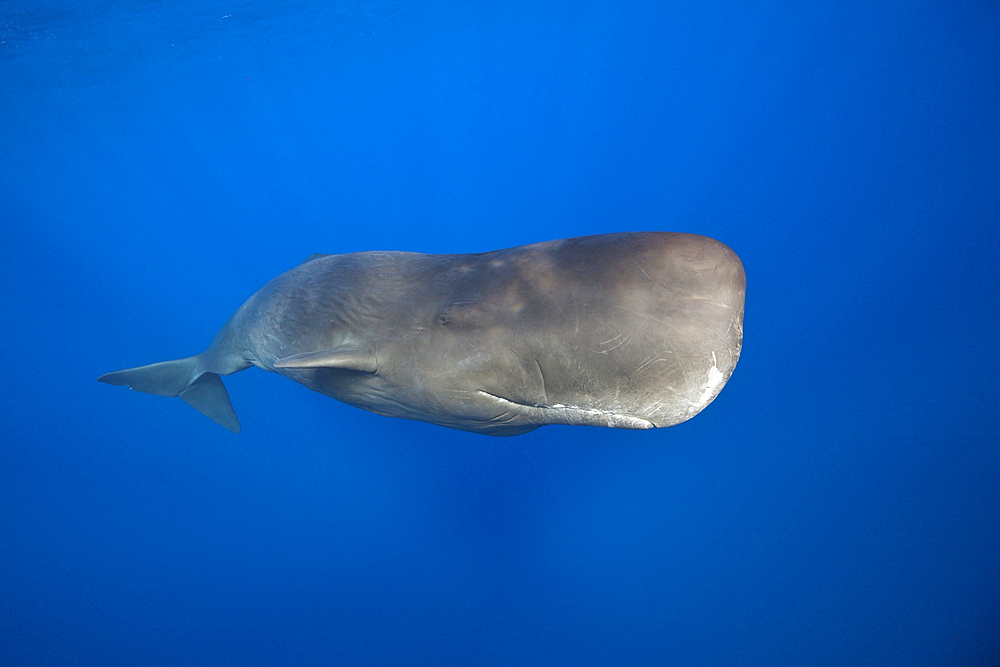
(632, 330)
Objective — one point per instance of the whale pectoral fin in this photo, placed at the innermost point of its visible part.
(349, 357)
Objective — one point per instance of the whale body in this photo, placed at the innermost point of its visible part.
(630, 330)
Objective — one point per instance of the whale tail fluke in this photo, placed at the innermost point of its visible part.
(187, 378)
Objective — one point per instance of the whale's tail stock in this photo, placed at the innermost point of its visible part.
(201, 389)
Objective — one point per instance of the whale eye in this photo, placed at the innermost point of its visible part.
(443, 319)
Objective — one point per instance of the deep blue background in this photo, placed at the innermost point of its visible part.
(838, 504)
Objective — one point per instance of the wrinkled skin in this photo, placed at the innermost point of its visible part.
(632, 330)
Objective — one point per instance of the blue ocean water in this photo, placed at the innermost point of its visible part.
(838, 504)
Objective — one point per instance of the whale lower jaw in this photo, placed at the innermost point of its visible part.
(568, 414)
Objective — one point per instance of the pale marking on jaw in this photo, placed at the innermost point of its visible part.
(633, 422)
